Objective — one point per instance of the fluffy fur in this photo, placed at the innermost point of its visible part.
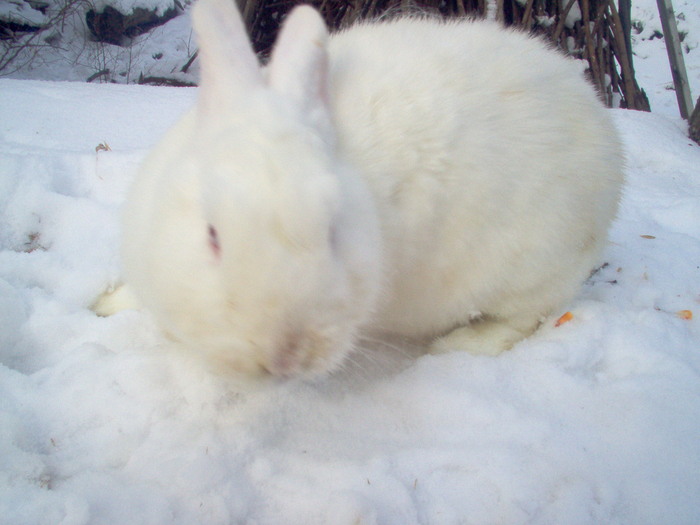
(448, 182)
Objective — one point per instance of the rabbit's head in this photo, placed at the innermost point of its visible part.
(244, 236)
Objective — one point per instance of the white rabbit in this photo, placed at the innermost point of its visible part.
(448, 182)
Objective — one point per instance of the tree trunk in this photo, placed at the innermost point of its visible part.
(694, 123)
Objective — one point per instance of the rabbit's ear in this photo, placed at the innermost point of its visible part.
(299, 64)
(229, 67)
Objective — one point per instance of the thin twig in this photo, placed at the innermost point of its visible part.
(562, 20)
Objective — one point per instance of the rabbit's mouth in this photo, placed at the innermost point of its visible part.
(303, 354)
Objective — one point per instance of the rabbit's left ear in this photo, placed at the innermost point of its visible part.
(299, 64)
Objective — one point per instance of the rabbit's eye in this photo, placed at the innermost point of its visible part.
(214, 241)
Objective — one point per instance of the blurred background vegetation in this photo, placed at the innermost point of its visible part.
(113, 37)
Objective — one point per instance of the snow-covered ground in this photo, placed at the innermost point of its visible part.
(102, 422)
(650, 58)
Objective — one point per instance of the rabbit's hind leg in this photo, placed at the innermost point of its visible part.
(486, 336)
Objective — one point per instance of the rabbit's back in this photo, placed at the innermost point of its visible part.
(495, 169)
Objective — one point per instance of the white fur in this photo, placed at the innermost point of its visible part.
(406, 177)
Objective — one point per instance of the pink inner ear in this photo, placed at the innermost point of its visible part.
(214, 242)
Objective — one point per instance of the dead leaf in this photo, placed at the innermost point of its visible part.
(685, 314)
(568, 316)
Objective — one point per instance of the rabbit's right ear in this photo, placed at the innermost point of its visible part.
(229, 67)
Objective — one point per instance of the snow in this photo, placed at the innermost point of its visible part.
(127, 6)
(71, 54)
(574, 14)
(651, 61)
(102, 420)
(21, 13)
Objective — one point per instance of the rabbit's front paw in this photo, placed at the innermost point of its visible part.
(114, 300)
